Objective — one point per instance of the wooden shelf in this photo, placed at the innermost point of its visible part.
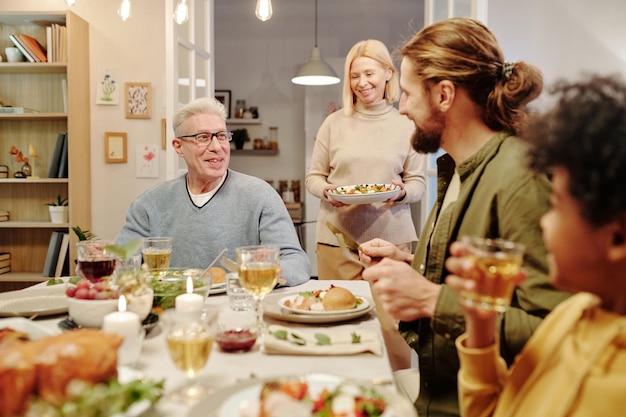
(33, 180)
(244, 121)
(32, 225)
(33, 116)
(32, 68)
(254, 152)
(60, 93)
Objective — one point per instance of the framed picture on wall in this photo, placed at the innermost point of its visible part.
(138, 100)
(115, 147)
(224, 97)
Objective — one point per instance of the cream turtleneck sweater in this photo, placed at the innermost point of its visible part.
(372, 145)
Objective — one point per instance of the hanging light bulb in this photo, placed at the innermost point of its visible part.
(316, 71)
(124, 10)
(181, 12)
(263, 10)
(70, 2)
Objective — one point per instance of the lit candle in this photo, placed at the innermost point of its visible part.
(189, 303)
(126, 324)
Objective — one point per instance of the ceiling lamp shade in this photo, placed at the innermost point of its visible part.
(263, 10)
(316, 71)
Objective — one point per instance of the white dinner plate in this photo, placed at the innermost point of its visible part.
(218, 288)
(341, 194)
(32, 329)
(42, 301)
(232, 401)
(363, 305)
(273, 310)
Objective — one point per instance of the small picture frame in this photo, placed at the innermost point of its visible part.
(138, 100)
(115, 147)
(223, 96)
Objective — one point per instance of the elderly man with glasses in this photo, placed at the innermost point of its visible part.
(212, 207)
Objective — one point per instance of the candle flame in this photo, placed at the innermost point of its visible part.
(189, 285)
(121, 303)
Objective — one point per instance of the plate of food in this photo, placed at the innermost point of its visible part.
(331, 301)
(273, 308)
(308, 395)
(364, 193)
(42, 301)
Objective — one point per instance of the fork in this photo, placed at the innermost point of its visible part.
(346, 251)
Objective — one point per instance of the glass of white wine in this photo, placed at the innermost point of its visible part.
(259, 267)
(190, 342)
(498, 263)
(156, 252)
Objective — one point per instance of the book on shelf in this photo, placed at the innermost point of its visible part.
(22, 48)
(63, 259)
(33, 46)
(4, 217)
(17, 110)
(53, 170)
(4, 256)
(63, 168)
(54, 247)
(5, 262)
(5, 269)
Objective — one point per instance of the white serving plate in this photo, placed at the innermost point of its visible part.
(32, 329)
(364, 305)
(363, 198)
(243, 398)
(273, 310)
(42, 301)
(218, 288)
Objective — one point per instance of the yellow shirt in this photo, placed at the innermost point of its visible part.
(574, 365)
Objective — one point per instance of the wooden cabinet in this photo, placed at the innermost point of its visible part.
(59, 92)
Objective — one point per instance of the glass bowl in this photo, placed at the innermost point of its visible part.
(168, 284)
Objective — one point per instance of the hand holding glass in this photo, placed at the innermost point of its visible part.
(498, 263)
(259, 267)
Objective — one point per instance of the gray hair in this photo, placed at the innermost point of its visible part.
(204, 105)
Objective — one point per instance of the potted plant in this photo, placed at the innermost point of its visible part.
(240, 136)
(59, 210)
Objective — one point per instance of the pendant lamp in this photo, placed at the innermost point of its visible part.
(316, 71)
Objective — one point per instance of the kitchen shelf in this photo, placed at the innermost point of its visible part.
(254, 152)
(244, 121)
(32, 225)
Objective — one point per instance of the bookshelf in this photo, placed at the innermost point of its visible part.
(61, 108)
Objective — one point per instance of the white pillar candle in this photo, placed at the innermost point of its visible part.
(126, 324)
(189, 302)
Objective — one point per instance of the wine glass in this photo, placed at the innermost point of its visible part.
(190, 341)
(498, 263)
(259, 267)
(94, 261)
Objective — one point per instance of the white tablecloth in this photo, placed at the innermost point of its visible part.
(231, 368)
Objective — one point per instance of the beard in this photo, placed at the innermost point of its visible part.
(427, 137)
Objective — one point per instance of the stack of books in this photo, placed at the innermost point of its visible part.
(5, 262)
(34, 51)
(4, 216)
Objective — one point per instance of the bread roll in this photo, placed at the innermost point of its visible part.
(338, 298)
(219, 275)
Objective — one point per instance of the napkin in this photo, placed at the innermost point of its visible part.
(336, 341)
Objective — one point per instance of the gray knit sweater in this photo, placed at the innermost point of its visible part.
(244, 211)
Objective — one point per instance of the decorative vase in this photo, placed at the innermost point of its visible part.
(59, 214)
(27, 170)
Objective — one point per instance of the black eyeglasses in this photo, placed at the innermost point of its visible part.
(206, 137)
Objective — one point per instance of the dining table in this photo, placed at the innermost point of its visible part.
(226, 372)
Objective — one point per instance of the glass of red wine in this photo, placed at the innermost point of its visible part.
(94, 262)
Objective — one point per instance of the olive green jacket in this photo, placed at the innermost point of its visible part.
(499, 197)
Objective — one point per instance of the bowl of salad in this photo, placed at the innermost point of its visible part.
(170, 283)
